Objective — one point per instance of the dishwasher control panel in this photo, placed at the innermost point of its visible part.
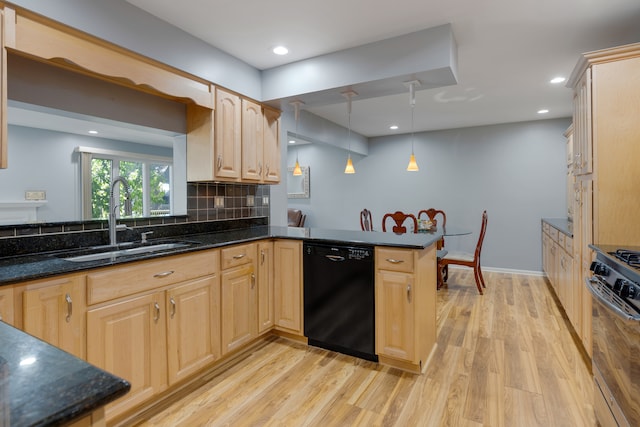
(360, 253)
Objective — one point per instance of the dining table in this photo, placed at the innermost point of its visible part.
(441, 253)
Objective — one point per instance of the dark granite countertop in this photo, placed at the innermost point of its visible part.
(38, 265)
(42, 385)
(561, 224)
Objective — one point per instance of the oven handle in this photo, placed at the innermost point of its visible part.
(598, 295)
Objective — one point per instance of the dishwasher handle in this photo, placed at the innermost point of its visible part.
(335, 258)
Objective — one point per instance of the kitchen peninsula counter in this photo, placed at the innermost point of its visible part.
(43, 385)
(39, 265)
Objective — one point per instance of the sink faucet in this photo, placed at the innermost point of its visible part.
(113, 240)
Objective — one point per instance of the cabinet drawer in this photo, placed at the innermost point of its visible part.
(545, 227)
(120, 281)
(561, 239)
(237, 255)
(553, 232)
(394, 259)
(568, 245)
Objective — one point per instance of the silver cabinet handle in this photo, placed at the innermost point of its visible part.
(395, 261)
(219, 161)
(253, 280)
(163, 274)
(262, 257)
(409, 292)
(156, 316)
(173, 306)
(267, 169)
(69, 301)
(260, 168)
(239, 256)
(335, 258)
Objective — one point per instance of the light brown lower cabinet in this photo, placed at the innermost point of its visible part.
(6, 304)
(405, 306)
(239, 296)
(128, 339)
(288, 303)
(54, 311)
(265, 286)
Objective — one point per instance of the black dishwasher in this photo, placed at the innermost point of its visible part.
(339, 308)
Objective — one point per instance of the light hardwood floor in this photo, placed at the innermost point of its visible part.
(503, 359)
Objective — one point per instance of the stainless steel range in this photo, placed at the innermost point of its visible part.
(615, 286)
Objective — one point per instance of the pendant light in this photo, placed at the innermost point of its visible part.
(349, 169)
(412, 166)
(297, 171)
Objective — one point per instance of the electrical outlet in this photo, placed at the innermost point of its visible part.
(218, 202)
(251, 201)
(265, 200)
(35, 195)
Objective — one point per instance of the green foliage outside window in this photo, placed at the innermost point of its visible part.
(159, 182)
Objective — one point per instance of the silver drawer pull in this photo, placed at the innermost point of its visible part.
(163, 274)
(156, 316)
(409, 293)
(173, 306)
(239, 256)
(395, 261)
(69, 301)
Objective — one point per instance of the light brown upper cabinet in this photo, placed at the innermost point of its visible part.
(271, 173)
(252, 141)
(239, 141)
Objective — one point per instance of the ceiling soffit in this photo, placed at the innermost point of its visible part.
(371, 70)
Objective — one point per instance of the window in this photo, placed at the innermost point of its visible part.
(148, 179)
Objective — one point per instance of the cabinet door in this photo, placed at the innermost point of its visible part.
(395, 315)
(228, 133)
(288, 285)
(252, 141)
(265, 286)
(272, 154)
(239, 307)
(128, 339)
(583, 147)
(193, 326)
(586, 256)
(6, 304)
(55, 313)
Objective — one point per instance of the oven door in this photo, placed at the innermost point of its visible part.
(616, 356)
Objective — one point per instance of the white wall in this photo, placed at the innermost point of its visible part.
(45, 160)
(517, 172)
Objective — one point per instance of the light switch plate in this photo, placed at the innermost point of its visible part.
(251, 201)
(35, 195)
(218, 202)
(265, 200)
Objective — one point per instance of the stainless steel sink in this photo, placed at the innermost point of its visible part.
(113, 253)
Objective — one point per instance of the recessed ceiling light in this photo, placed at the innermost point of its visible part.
(557, 80)
(292, 141)
(93, 132)
(543, 111)
(280, 50)
(393, 127)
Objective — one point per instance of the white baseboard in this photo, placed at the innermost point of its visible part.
(503, 270)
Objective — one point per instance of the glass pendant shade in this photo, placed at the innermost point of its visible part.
(412, 166)
(349, 168)
(296, 170)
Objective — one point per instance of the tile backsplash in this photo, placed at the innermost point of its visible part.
(235, 201)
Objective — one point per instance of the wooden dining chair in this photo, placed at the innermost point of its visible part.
(469, 260)
(366, 221)
(432, 213)
(399, 218)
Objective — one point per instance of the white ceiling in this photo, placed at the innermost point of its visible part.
(507, 50)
